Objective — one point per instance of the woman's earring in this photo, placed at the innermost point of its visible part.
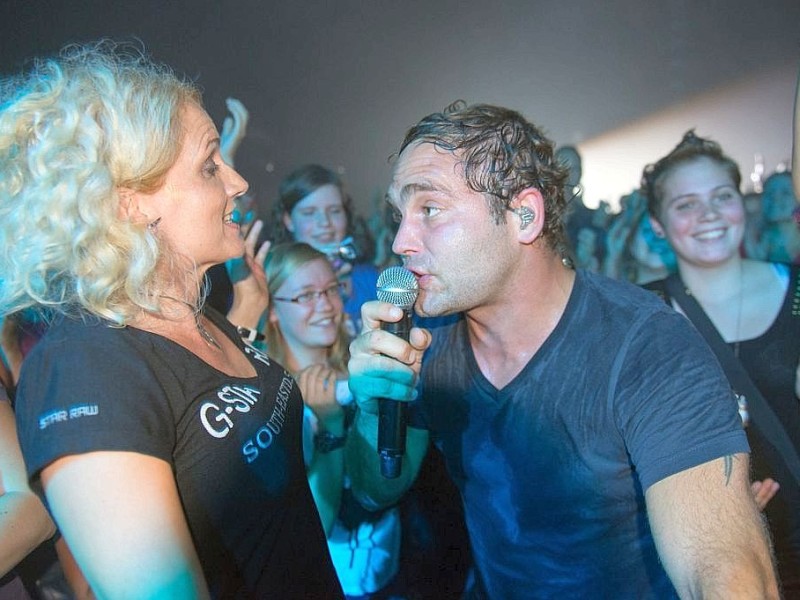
(152, 225)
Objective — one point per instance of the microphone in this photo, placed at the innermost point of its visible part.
(399, 287)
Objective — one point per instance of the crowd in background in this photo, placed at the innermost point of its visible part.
(629, 245)
(623, 244)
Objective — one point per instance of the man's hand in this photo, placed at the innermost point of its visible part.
(383, 365)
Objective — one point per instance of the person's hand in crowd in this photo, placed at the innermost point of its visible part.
(318, 385)
(250, 293)
(764, 491)
(383, 365)
(234, 128)
(616, 240)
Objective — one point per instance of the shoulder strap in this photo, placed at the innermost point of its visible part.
(761, 411)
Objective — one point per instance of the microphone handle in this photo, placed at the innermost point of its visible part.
(392, 415)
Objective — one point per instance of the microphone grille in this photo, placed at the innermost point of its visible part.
(398, 286)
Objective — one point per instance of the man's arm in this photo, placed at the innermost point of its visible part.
(382, 365)
(709, 533)
(371, 489)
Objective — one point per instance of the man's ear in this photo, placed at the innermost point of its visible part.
(528, 208)
(128, 208)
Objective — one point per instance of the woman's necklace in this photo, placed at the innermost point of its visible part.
(204, 333)
(738, 338)
(738, 333)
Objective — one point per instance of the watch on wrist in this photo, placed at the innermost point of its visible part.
(250, 335)
(325, 442)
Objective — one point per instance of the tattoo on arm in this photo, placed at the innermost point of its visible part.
(727, 462)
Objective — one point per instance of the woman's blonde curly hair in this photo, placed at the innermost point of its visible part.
(74, 130)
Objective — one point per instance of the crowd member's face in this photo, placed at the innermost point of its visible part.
(319, 219)
(447, 236)
(196, 201)
(777, 198)
(701, 212)
(315, 323)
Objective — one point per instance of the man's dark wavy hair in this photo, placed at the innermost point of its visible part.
(502, 154)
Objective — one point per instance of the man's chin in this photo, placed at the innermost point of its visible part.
(428, 309)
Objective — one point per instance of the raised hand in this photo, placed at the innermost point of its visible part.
(318, 385)
(234, 128)
(250, 293)
(383, 365)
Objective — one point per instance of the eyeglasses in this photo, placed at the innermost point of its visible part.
(330, 292)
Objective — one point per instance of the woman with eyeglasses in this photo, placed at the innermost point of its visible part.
(305, 332)
(313, 207)
(754, 307)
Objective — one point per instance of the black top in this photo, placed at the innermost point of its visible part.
(771, 361)
(233, 443)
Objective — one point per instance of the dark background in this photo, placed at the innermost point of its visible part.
(339, 82)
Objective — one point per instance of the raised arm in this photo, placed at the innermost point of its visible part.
(326, 471)
(234, 128)
(250, 294)
(709, 533)
(121, 516)
(24, 522)
(382, 365)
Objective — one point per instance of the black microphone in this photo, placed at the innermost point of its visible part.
(399, 287)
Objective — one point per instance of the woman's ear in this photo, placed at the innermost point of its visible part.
(287, 222)
(128, 208)
(657, 228)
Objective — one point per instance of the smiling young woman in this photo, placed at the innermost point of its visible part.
(695, 203)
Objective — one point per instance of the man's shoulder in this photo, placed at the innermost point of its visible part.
(622, 295)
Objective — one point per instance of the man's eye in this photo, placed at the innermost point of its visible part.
(305, 297)
(430, 211)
